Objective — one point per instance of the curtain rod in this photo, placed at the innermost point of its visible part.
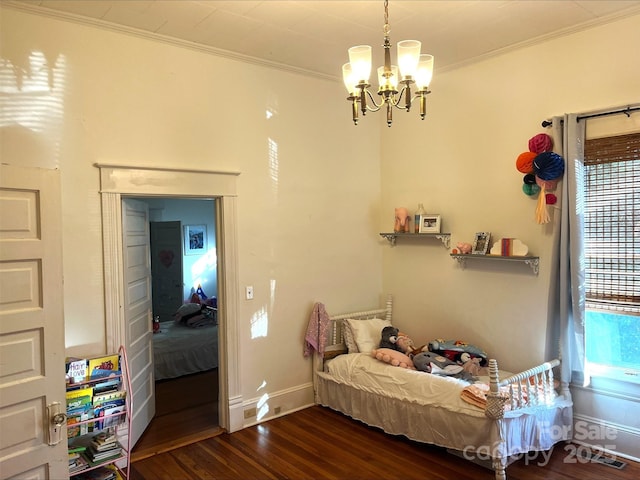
(627, 111)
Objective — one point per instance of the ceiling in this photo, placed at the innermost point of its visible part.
(313, 36)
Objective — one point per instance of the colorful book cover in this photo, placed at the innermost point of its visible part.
(99, 399)
(77, 370)
(78, 397)
(104, 366)
(110, 386)
(79, 415)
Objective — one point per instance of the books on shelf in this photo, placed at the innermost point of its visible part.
(107, 472)
(76, 370)
(79, 370)
(106, 366)
(104, 440)
(79, 409)
(103, 445)
(96, 402)
(77, 463)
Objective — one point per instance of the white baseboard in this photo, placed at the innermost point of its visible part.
(235, 414)
(615, 439)
(277, 404)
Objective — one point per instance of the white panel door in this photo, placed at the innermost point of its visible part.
(31, 324)
(137, 312)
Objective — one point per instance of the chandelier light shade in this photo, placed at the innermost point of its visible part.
(394, 81)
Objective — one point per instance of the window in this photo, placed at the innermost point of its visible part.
(612, 255)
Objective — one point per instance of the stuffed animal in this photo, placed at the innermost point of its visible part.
(393, 357)
(390, 338)
(406, 345)
(437, 364)
(472, 366)
(454, 349)
(464, 247)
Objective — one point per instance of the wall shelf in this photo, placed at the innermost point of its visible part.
(445, 238)
(533, 262)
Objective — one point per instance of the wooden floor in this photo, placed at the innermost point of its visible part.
(186, 412)
(318, 443)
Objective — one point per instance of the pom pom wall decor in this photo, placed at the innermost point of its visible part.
(548, 166)
(524, 162)
(530, 189)
(542, 168)
(540, 143)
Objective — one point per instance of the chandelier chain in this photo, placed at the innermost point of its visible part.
(386, 29)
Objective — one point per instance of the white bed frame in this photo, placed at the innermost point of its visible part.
(539, 400)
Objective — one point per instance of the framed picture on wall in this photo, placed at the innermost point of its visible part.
(429, 223)
(195, 239)
(481, 243)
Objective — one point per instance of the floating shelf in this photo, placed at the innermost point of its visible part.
(533, 262)
(445, 238)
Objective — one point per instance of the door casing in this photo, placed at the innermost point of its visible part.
(116, 182)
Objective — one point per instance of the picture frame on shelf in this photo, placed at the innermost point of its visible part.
(429, 223)
(481, 243)
(195, 239)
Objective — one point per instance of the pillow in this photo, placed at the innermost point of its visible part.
(364, 333)
(347, 336)
(393, 357)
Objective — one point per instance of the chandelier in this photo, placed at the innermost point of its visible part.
(412, 68)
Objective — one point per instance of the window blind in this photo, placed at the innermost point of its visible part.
(612, 223)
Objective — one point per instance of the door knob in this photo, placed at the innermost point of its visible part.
(58, 421)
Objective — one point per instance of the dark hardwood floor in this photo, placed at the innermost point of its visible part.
(186, 412)
(318, 443)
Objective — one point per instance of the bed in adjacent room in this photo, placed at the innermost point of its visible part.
(512, 414)
(180, 350)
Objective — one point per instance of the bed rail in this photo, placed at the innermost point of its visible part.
(529, 388)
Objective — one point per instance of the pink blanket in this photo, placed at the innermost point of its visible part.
(317, 330)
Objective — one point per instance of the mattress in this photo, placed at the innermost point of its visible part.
(180, 350)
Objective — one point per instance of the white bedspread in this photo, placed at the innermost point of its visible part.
(428, 408)
(415, 386)
(180, 350)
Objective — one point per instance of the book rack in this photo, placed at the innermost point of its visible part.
(99, 412)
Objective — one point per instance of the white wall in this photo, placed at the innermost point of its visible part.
(460, 162)
(308, 192)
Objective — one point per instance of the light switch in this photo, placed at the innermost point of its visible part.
(249, 292)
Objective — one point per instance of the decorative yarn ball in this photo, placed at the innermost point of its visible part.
(548, 165)
(530, 189)
(529, 179)
(551, 199)
(549, 185)
(524, 162)
(540, 143)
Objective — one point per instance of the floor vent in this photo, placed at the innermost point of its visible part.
(598, 457)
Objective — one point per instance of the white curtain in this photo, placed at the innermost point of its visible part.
(569, 136)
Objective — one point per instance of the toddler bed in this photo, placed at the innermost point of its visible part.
(522, 413)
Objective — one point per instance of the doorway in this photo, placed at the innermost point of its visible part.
(185, 354)
(117, 181)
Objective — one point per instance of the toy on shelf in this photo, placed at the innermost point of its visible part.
(403, 219)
